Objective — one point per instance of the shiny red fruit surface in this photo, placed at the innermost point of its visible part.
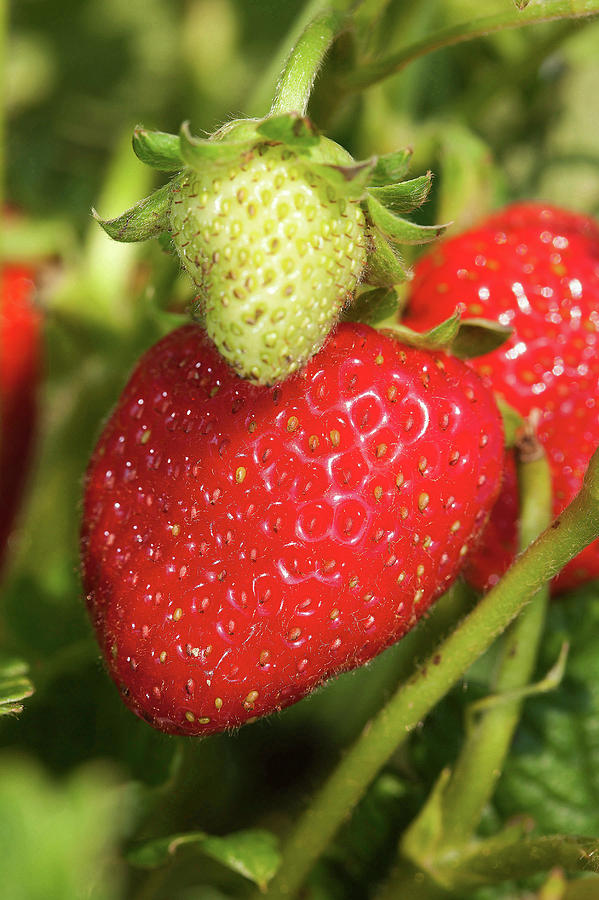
(536, 269)
(241, 544)
(20, 324)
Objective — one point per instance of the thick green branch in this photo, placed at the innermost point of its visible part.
(577, 526)
(536, 13)
(481, 759)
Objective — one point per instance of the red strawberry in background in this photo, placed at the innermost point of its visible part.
(19, 371)
(241, 544)
(536, 269)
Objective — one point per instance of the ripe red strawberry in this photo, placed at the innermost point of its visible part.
(536, 269)
(241, 544)
(19, 371)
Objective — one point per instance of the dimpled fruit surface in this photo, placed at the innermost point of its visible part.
(534, 268)
(241, 544)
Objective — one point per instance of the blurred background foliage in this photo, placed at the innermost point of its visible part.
(515, 115)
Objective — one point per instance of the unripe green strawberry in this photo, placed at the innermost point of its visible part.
(277, 226)
(275, 253)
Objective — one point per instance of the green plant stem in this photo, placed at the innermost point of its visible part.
(297, 79)
(491, 863)
(549, 11)
(368, 11)
(3, 58)
(261, 96)
(577, 526)
(481, 759)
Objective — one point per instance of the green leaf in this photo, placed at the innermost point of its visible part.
(391, 168)
(296, 131)
(146, 219)
(15, 686)
(479, 336)
(371, 307)
(253, 853)
(158, 149)
(399, 230)
(385, 266)
(348, 181)
(199, 153)
(60, 838)
(552, 772)
(404, 196)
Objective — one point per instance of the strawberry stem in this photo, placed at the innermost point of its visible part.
(486, 746)
(297, 78)
(3, 58)
(261, 94)
(550, 11)
(570, 533)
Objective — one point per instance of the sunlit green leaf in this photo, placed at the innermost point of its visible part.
(59, 837)
(253, 853)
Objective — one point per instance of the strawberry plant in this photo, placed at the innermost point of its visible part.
(275, 514)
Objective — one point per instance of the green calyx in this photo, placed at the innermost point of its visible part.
(464, 338)
(277, 226)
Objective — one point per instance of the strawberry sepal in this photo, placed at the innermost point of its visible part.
(158, 149)
(147, 219)
(463, 338)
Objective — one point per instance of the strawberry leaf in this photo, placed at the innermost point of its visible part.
(157, 149)
(146, 219)
(404, 196)
(15, 686)
(553, 770)
(372, 307)
(297, 132)
(59, 835)
(399, 230)
(391, 168)
(253, 853)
